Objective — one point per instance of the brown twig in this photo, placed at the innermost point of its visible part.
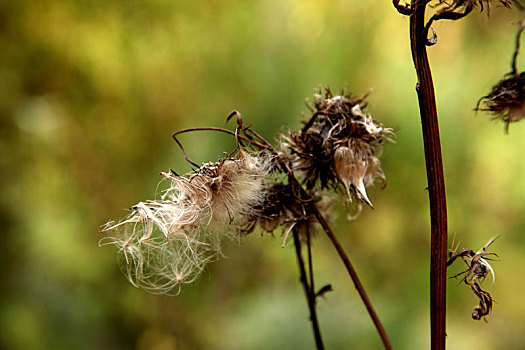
(514, 65)
(436, 182)
(353, 275)
(308, 291)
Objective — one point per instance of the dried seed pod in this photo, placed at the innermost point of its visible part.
(336, 146)
(506, 100)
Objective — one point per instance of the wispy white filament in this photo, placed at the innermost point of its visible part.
(168, 242)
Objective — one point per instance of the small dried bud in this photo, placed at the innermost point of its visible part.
(507, 99)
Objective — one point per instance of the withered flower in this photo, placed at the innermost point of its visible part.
(336, 147)
(506, 100)
(282, 208)
(167, 242)
(477, 270)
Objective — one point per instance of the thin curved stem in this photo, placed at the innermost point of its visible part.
(353, 275)
(310, 263)
(226, 131)
(514, 65)
(310, 296)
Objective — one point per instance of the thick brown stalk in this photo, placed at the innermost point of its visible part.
(435, 178)
(353, 275)
(308, 291)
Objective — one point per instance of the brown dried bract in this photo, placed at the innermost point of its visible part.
(507, 99)
(477, 271)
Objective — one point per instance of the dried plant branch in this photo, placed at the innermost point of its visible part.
(226, 131)
(454, 10)
(436, 181)
(303, 196)
(246, 189)
(330, 108)
(452, 13)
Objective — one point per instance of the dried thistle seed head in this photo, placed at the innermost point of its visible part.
(283, 209)
(280, 207)
(506, 100)
(168, 242)
(336, 146)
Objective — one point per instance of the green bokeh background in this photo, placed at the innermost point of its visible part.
(90, 92)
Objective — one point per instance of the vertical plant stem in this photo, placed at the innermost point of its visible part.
(308, 291)
(310, 263)
(435, 178)
(353, 275)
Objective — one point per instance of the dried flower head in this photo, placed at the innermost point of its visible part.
(477, 270)
(507, 99)
(282, 208)
(336, 146)
(167, 242)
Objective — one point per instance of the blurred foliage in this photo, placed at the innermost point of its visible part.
(90, 92)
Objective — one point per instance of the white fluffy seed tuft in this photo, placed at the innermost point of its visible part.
(168, 242)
